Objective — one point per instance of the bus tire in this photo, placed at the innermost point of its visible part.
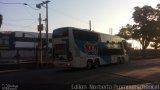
(123, 60)
(96, 63)
(119, 60)
(89, 64)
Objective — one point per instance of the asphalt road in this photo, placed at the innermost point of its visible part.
(132, 73)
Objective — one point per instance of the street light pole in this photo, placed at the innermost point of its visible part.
(46, 6)
(40, 36)
(90, 25)
(47, 30)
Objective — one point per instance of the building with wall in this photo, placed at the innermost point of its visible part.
(25, 43)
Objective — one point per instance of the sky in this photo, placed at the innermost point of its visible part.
(104, 14)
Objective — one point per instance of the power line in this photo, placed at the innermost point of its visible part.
(21, 4)
(16, 3)
(30, 6)
(18, 26)
(19, 19)
(64, 14)
(69, 16)
(31, 23)
(27, 11)
(10, 3)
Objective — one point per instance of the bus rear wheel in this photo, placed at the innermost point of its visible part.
(89, 64)
(119, 60)
(96, 64)
(123, 60)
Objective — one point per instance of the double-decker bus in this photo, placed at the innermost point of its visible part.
(78, 48)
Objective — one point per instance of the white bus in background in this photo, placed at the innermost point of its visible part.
(78, 48)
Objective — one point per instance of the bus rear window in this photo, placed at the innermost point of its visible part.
(60, 48)
(62, 32)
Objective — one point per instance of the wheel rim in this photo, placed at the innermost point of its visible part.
(89, 65)
(96, 64)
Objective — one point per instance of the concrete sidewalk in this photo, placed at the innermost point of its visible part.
(12, 64)
(15, 61)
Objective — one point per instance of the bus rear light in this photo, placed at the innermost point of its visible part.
(68, 64)
(70, 59)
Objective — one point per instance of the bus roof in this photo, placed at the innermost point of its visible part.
(118, 38)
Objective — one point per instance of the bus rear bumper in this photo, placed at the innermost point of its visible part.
(63, 64)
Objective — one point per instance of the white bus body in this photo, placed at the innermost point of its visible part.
(78, 48)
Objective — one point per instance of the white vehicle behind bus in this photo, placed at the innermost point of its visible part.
(79, 48)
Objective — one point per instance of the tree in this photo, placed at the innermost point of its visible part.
(156, 39)
(155, 43)
(126, 32)
(144, 30)
(1, 17)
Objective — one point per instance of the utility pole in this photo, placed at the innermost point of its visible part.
(90, 26)
(110, 31)
(40, 28)
(46, 6)
(47, 30)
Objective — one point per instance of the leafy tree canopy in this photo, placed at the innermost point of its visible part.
(146, 27)
(126, 32)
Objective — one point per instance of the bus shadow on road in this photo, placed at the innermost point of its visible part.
(71, 70)
(84, 69)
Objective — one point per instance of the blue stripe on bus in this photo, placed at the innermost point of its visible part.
(81, 43)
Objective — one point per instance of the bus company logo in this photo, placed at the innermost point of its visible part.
(89, 47)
